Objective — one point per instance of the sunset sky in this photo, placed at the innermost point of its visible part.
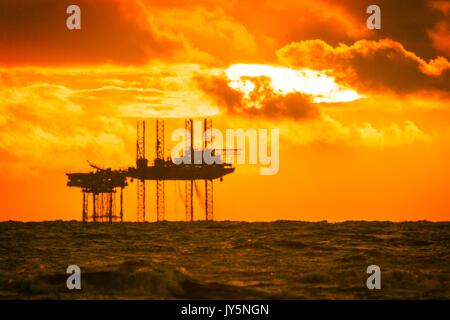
(364, 115)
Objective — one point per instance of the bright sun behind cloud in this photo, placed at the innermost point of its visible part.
(320, 86)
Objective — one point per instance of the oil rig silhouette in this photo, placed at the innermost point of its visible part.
(100, 187)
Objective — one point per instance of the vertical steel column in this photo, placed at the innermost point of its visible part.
(121, 204)
(100, 211)
(160, 205)
(189, 203)
(140, 142)
(141, 200)
(100, 207)
(94, 207)
(160, 202)
(189, 184)
(160, 139)
(141, 162)
(114, 209)
(209, 213)
(110, 215)
(85, 206)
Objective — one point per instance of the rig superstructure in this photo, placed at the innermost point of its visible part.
(102, 185)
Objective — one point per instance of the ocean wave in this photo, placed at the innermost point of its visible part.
(224, 260)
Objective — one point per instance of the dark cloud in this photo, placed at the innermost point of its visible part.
(34, 32)
(261, 102)
(293, 105)
(218, 89)
(371, 65)
(408, 22)
(215, 31)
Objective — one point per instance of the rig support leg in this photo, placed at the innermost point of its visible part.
(141, 200)
(121, 204)
(94, 207)
(209, 214)
(188, 201)
(160, 205)
(110, 207)
(85, 206)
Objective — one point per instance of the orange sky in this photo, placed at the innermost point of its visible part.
(68, 96)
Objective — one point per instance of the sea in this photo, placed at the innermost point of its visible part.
(225, 260)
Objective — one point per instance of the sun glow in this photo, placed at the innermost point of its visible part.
(320, 86)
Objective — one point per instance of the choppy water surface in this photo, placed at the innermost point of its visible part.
(176, 260)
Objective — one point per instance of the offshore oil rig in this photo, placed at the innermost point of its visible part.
(101, 186)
